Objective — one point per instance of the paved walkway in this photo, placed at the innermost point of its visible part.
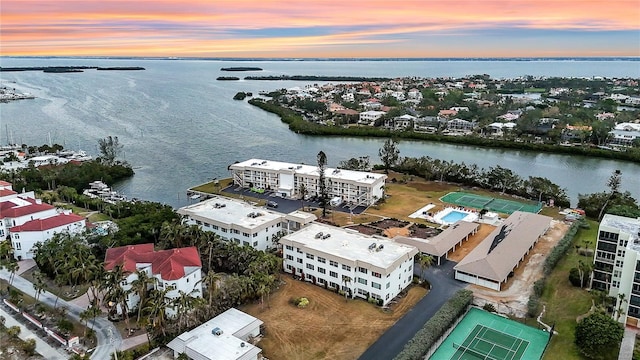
(44, 349)
(133, 341)
(443, 286)
(627, 345)
(107, 335)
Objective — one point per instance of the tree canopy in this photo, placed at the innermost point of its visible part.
(389, 154)
(597, 334)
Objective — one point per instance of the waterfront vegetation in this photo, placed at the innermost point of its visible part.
(568, 116)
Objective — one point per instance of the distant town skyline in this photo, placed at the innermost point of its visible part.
(320, 29)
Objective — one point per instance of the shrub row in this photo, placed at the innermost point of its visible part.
(533, 305)
(561, 249)
(435, 327)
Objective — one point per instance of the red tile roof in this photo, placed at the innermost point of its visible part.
(4, 183)
(6, 192)
(48, 223)
(169, 264)
(9, 209)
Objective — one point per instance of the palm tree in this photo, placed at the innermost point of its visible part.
(39, 285)
(425, 262)
(157, 302)
(183, 304)
(211, 281)
(84, 317)
(140, 286)
(12, 267)
(622, 298)
(346, 280)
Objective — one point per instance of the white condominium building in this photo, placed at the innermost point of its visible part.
(235, 220)
(353, 187)
(616, 267)
(361, 265)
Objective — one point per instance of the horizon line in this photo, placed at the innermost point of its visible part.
(324, 58)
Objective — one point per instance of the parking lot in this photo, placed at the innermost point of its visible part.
(286, 205)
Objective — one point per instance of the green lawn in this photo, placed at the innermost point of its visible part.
(564, 302)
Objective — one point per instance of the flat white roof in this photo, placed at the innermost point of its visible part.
(309, 170)
(203, 342)
(628, 225)
(350, 245)
(230, 211)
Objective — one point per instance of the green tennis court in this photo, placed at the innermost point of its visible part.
(489, 203)
(482, 335)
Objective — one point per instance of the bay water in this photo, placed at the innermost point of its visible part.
(180, 127)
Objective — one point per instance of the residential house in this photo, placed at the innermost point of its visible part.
(399, 123)
(460, 126)
(624, 134)
(177, 270)
(25, 236)
(370, 117)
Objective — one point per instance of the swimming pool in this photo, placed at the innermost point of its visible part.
(450, 216)
(454, 216)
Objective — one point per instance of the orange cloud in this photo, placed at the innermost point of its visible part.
(295, 28)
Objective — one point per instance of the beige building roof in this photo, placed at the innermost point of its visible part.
(443, 242)
(499, 253)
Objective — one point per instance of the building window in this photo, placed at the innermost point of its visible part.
(333, 263)
(299, 260)
(224, 230)
(18, 246)
(299, 251)
(362, 281)
(322, 270)
(321, 281)
(255, 244)
(245, 243)
(290, 257)
(346, 267)
(376, 285)
(375, 274)
(333, 285)
(215, 227)
(310, 266)
(289, 247)
(362, 270)
(388, 284)
(333, 274)
(310, 256)
(290, 268)
(245, 234)
(322, 260)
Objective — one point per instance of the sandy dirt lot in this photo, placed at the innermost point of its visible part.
(328, 328)
(515, 294)
(470, 244)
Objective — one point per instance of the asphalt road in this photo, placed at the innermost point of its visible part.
(443, 286)
(108, 337)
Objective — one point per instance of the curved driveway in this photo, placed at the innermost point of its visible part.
(443, 286)
(108, 337)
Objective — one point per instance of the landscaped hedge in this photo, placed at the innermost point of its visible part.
(435, 327)
(533, 305)
(561, 249)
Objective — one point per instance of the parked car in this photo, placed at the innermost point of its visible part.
(272, 204)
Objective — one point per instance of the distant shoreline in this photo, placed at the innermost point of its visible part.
(67, 69)
(586, 58)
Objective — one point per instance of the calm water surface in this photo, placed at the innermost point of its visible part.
(180, 127)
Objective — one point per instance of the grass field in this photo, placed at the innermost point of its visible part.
(565, 302)
(330, 327)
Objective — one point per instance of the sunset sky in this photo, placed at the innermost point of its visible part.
(327, 28)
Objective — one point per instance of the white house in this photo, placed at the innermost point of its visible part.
(624, 134)
(370, 117)
(616, 268)
(235, 220)
(177, 269)
(361, 265)
(25, 236)
(357, 188)
(227, 336)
